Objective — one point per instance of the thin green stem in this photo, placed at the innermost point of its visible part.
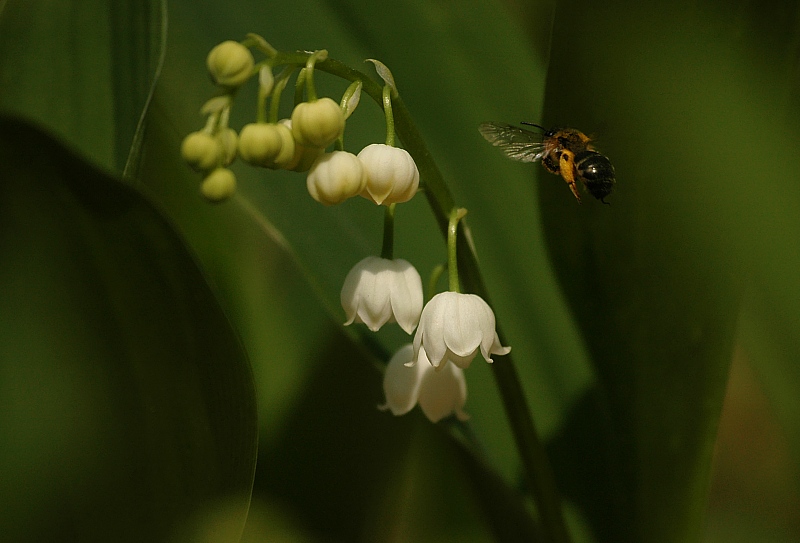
(456, 215)
(261, 105)
(277, 90)
(254, 40)
(387, 109)
(538, 471)
(299, 86)
(387, 251)
(311, 91)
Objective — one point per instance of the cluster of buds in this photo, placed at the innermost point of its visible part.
(211, 150)
(381, 173)
(452, 327)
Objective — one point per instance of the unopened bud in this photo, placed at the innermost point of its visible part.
(201, 151)
(318, 123)
(219, 185)
(230, 64)
(267, 145)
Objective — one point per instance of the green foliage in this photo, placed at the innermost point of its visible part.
(128, 404)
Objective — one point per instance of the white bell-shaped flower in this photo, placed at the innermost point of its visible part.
(454, 326)
(392, 175)
(440, 392)
(378, 290)
(335, 177)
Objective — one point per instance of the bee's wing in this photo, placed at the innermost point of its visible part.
(516, 143)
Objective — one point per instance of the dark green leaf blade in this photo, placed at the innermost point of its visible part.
(128, 403)
(85, 70)
(655, 280)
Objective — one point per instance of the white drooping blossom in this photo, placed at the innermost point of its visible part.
(392, 175)
(318, 123)
(454, 326)
(440, 392)
(378, 290)
(230, 64)
(335, 177)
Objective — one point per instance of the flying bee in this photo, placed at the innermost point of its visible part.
(563, 151)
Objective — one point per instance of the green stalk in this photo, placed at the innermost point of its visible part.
(538, 471)
(277, 90)
(452, 242)
(311, 90)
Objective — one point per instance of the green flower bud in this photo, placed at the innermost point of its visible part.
(230, 64)
(219, 185)
(267, 145)
(335, 177)
(318, 123)
(201, 151)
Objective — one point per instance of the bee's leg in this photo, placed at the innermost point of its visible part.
(568, 172)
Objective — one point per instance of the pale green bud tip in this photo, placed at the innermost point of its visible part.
(228, 139)
(230, 64)
(351, 98)
(266, 80)
(267, 145)
(201, 151)
(385, 73)
(219, 185)
(318, 123)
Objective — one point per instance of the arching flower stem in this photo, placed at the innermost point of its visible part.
(275, 101)
(456, 215)
(539, 472)
(311, 91)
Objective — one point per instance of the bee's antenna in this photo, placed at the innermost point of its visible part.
(543, 129)
(603, 199)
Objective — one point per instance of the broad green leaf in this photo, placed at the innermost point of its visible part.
(128, 406)
(681, 107)
(85, 70)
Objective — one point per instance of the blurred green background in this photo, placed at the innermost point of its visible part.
(141, 324)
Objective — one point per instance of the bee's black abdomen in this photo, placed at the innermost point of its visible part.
(597, 173)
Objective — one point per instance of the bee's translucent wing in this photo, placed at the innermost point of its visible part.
(516, 143)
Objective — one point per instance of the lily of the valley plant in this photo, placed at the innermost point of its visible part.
(454, 326)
